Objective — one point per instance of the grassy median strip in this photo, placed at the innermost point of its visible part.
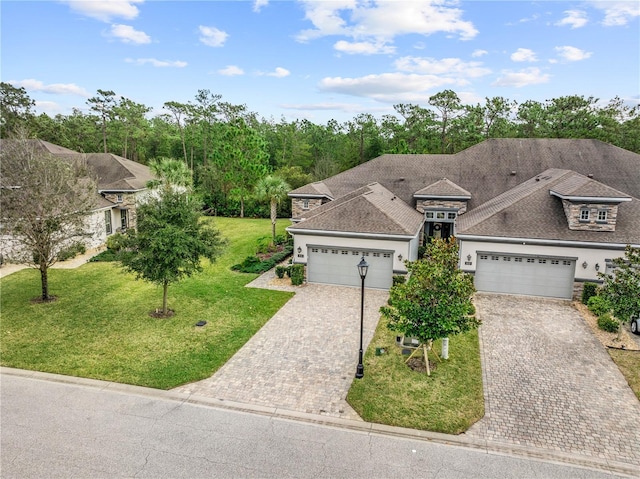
(100, 325)
(391, 393)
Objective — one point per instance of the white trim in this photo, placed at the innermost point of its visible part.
(590, 199)
(532, 241)
(348, 234)
(299, 195)
(441, 197)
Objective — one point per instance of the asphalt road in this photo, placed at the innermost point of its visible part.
(79, 429)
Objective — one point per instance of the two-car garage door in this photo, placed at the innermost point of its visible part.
(335, 265)
(531, 275)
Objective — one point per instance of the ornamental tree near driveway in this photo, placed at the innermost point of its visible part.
(436, 299)
(273, 189)
(621, 288)
(170, 240)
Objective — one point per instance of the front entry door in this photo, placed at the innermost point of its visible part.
(439, 230)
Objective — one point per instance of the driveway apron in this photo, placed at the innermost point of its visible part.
(304, 358)
(550, 384)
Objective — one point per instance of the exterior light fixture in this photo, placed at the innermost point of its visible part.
(299, 250)
(468, 257)
(597, 267)
(399, 257)
(363, 267)
(585, 264)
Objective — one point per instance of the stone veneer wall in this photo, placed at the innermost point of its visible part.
(459, 205)
(297, 209)
(129, 202)
(572, 212)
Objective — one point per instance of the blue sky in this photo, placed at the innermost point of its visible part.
(319, 60)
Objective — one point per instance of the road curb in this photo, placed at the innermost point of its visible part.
(490, 447)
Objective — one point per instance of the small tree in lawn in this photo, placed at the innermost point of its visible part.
(621, 288)
(436, 300)
(45, 202)
(273, 189)
(170, 240)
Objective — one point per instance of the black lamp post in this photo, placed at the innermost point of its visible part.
(363, 266)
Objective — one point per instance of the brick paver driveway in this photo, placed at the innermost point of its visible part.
(550, 384)
(304, 359)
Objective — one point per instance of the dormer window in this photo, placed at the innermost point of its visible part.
(584, 214)
(602, 216)
(305, 204)
(119, 198)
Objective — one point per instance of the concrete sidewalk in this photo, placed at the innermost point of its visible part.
(10, 268)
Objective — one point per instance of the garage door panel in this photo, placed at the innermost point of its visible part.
(339, 266)
(537, 276)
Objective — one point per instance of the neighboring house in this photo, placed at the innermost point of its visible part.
(532, 216)
(121, 185)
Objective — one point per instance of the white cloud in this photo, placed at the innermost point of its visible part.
(258, 4)
(383, 21)
(479, 53)
(363, 48)
(49, 107)
(53, 88)
(231, 71)
(574, 19)
(105, 10)
(524, 55)
(212, 37)
(127, 34)
(617, 13)
(528, 76)
(386, 86)
(572, 54)
(444, 66)
(279, 72)
(157, 63)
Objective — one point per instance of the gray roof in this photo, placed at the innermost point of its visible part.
(493, 167)
(443, 188)
(528, 211)
(114, 173)
(371, 209)
(579, 186)
(313, 189)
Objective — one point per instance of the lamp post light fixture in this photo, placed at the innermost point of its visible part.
(363, 267)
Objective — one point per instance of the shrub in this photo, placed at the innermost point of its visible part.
(72, 251)
(598, 305)
(116, 242)
(399, 279)
(607, 323)
(253, 264)
(105, 256)
(297, 274)
(588, 291)
(280, 271)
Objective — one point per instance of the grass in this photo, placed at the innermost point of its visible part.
(629, 364)
(391, 393)
(100, 325)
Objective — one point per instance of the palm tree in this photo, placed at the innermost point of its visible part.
(274, 189)
(170, 172)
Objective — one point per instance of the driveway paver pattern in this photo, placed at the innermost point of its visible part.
(550, 384)
(304, 358)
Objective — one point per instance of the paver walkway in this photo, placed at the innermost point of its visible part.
(304, 358)
(550, 384)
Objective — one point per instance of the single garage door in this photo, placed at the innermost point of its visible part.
(530, 275)
(334, 265)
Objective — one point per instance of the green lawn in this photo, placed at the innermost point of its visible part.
(100, 325)
(448, 401)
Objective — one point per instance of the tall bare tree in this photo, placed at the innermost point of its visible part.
(45, 202)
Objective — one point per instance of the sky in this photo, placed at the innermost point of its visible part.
(319, 59)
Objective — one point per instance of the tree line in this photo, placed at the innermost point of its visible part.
(229, 148)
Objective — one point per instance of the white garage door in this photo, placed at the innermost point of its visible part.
(334, 265)
(530, 275)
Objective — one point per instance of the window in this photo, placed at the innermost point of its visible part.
(517, 260)
(123, 220)
(495, 258)
(376, 255)
(430, 215)
(386, 255)
(602, 215)
(584, 214)
(305, 204)
(107, 221)
(451, 216)
(484, 256)
(334, 251)
(314, 250)
(324, 250)
(531, 260)
(440, 215)
(345, 252)
(119, 197)
(355, 253)
(542, 261)
(555, 261)
(566, 263)
(506, 258)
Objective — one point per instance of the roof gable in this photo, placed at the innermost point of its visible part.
(443, 188)
(578, 187)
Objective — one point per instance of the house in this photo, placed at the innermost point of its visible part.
(532, 216)
(121, 184)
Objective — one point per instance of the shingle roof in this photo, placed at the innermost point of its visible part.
(580, 186)
(371, 209)
(486, 169)
(528, 211)
(313, 189)
(443, 188)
